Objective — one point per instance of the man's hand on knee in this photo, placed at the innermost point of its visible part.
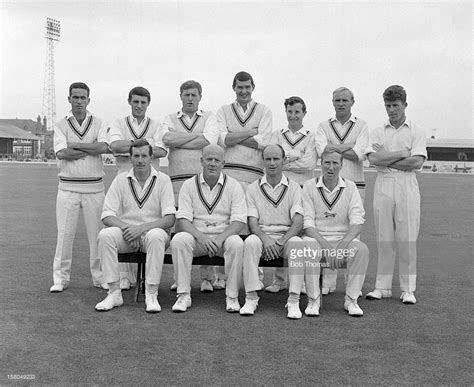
(212, 248)
(131, 233)
(209, 245)
(135, 244)
(271, 250)
(219, 241)
(331, 260)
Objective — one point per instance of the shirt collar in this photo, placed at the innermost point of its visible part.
(341, 183)
(219, 181)
(153, 172)
(352, 118)
(407, 123)
(180, 113)
(302, 130)
(88, 113)
(249, 105)
(283, 181)
(135, 121)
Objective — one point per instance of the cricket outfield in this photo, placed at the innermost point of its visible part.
(59, 339)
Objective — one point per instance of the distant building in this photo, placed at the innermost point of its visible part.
(446, 155)
(18, 144)
(23, 146)
(37, 127)
(450, 155)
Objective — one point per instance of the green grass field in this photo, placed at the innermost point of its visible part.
(62, 340)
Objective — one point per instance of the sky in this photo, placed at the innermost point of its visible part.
(300, 48)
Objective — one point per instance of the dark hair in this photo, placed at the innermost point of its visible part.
(79, 85)
(283, 154)
(190, 85)
(141, 91)
(141, 143)
(242, 76)
(394, 93)
(294, 100)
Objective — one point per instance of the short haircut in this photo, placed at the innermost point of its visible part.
(213, 147)
(141, 143)
(242, 76)
(283, 154)
(190, 85)
(79, 85)
(294, 100)
(394, 93)
(141, 91)
(327, 153)
(342, 89)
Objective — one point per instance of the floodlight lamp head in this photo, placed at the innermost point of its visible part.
(53, 29)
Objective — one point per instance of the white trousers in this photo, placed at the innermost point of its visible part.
(397, 223)
(154, 244)
(252, 252)
(129, 270)
(330, 276)
(307, 268)
(184, 248)
(68, 205)
(246, 231)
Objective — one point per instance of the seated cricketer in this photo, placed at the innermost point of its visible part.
(299, 145)
(188, 131)
(275, 217)
(211, 213)
(138, 212)
(333, 218)
(123, 132)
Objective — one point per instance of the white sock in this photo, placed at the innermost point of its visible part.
(251, 296)
(151, 288)
(114, 286)
(293, 298)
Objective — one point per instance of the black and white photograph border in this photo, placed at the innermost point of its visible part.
(304, 48)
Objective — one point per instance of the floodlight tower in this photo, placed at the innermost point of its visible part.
(53, 30)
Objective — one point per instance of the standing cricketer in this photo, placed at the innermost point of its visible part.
(348, 135)
(247, 128)
(397, 149)
(126, 130)
(190, 130)
(136, 126)
(299, 145)
(298, 142)
(79, 140)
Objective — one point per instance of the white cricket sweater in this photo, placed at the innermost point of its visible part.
(332, 212)
(82, 175)
(355, 130)
(274, 208)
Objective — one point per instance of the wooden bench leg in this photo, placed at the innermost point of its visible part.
(321, 271)
(139, 280)
(140, 286)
